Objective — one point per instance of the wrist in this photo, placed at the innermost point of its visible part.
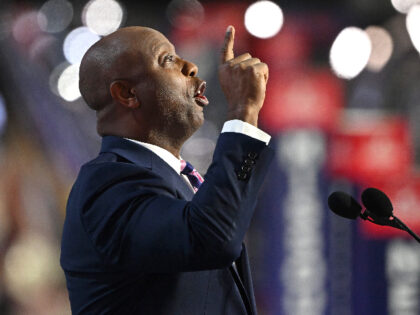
(247, 115)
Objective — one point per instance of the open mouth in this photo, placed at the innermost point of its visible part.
(199, 96)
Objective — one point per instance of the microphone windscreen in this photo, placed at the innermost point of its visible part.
(344, 205)
(377, 202)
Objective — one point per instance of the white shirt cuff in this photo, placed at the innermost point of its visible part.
(240, 126)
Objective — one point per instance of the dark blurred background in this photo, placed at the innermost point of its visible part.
(342, 106)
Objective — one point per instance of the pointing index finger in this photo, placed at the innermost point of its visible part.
(227, 49)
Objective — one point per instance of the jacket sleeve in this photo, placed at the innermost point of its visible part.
(137, 224)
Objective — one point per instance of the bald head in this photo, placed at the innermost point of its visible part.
(141, 89)
(117, 56)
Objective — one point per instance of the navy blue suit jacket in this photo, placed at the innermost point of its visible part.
(136, 240)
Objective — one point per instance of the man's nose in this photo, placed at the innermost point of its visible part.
(189, 69)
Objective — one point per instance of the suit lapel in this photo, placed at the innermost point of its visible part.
(143, 157)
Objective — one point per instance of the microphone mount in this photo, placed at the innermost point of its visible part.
(371, 217)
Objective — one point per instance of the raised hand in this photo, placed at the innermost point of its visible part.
(243, 80)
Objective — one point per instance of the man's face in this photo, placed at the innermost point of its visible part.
(171, 96)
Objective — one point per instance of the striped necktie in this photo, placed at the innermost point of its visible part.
(193, 176)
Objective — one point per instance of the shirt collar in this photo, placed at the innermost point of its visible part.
(164, 154)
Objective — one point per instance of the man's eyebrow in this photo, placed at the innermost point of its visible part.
(158, 48)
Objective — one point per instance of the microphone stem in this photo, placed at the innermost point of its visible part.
(405, 227)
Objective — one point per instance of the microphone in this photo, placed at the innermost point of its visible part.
(378, 204)
(378, 209)
(344, 205)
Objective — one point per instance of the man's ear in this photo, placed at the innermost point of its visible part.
(124, 94)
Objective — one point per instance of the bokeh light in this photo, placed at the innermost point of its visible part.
(263, 19)
(413, 25)
(68, 83)
(350, 52)
(382, 47)
(185, 14)
(25, 28)
(103, 16)
(77, 42)
(55, 75)
(404, 6)
(55, 15)
(30, 264)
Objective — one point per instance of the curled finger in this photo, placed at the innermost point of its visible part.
(262, 68)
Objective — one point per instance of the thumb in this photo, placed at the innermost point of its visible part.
(227, 49)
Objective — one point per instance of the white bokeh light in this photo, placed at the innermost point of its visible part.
(263, 19)
(350, 52)
(103, 16)
(404, 6)
(68, 83)
(413, 26)
(77, 42)
(382, 47)
(55, 75)
(55, 15)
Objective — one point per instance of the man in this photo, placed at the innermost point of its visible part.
(136, 238)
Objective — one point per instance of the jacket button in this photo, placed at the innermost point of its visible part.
(252, 155)
(241, 175)
(246, 168)
(249, 162)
